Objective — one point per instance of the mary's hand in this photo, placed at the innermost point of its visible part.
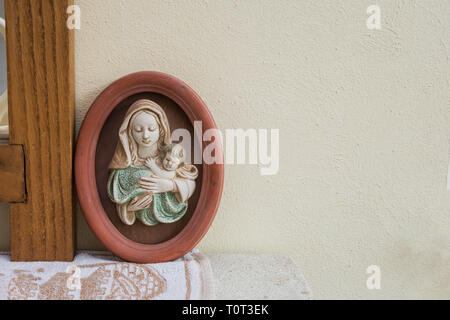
(156, 185)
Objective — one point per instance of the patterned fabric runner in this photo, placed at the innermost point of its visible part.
(102, 276)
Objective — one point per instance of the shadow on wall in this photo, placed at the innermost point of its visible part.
(423, 265)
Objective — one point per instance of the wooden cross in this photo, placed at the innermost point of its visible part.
(36, 167)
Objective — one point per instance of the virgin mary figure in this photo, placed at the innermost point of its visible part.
(137, 192)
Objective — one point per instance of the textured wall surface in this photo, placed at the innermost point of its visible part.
(363, 117)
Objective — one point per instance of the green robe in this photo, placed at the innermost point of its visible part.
(123, 188)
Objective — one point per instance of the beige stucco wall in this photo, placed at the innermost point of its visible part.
(363, 117)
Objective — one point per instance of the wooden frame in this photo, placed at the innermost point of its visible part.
(40, 53)
(85, 169)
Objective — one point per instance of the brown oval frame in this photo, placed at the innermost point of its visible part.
(96, 217)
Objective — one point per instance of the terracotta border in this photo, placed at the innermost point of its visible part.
(213, 175)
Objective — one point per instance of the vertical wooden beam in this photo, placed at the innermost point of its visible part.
(12, 182)
(40, 53)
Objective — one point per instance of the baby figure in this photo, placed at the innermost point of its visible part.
(173, 164)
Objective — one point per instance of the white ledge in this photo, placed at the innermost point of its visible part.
(258, 277)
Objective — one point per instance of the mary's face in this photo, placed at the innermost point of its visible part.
(145, 129)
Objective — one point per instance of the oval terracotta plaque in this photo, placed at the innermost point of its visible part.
(138, 189)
